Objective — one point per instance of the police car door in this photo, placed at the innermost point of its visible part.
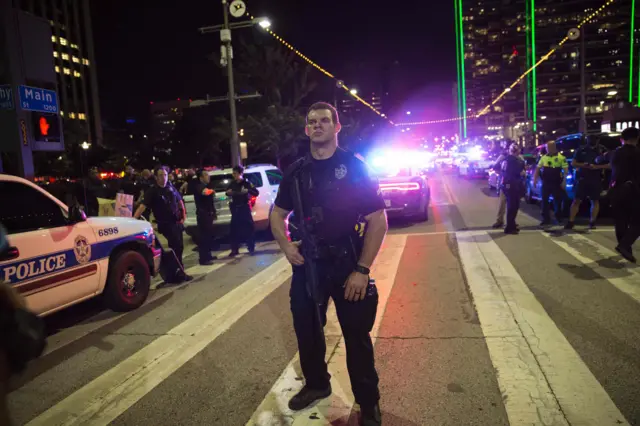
(50, 262)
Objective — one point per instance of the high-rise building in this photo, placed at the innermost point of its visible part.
(164, 118)
(498, 41)
(74, 62)
(353, 108)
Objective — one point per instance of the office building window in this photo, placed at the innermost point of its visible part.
(57, 68)
(67, 71)
(75, 59)
(72, 115)
(85, 62)
(76, 74)
(55, 54)
(82, 116)
(53, 39)
(65, 56)
(63, 41)
(74, 46)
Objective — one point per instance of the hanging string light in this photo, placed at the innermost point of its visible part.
(351, 92)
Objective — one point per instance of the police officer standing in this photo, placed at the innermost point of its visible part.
(554, 169)
(625, 192)
(168, 208)
(205, 214)
(242, 229)
(512, 186)
(338, 192)
(588, 181)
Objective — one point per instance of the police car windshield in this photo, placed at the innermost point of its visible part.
(220, 183)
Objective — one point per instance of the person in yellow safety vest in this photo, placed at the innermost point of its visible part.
(553, 168)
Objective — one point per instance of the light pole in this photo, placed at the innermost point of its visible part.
(238, 9)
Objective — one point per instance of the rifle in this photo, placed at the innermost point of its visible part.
(309, 249)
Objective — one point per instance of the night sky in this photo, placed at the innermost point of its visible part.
(151, 50)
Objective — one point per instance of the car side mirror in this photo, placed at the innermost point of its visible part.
(76, 215)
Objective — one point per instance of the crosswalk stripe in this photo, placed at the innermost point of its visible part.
(273, 411)
(629, 285)
(542, 378)
(108, 396)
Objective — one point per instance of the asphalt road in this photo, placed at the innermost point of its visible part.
(473, 328)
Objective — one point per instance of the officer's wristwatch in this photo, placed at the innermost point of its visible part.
(361, 269)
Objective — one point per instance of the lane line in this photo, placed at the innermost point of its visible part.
(542, 378)
(273, 411)
(69, 335)
(452, 197)
(629, 285)
(491, 231)
(108, 396)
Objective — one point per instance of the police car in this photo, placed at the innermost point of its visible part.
(57, 257)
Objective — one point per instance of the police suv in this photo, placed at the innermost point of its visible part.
(57, 257)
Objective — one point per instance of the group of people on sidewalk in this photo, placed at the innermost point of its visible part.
(589, 162)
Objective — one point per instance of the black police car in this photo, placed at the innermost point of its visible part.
(406, 194)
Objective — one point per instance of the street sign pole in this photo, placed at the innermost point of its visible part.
(225, 36)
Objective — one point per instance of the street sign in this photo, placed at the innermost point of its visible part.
(6, 97)
(36, 99)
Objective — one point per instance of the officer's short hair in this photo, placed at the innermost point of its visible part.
(238, 169)
(158, 168)
(324, 105)
(630, 133)
(200, 173)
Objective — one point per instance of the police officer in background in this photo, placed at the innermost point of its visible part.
(512, 186)
(554, 169)
(169, 211)
(339, 193)
(205, 214)
(588, 180)
(242, 229)
(625, 192)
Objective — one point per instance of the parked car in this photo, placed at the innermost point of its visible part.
(472, 167)
(265, 177)
(406, 194)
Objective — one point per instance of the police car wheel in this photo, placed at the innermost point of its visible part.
(128, 283)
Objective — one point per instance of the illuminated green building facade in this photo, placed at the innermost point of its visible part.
(498, 40)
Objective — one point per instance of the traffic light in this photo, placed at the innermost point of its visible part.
(46, 127)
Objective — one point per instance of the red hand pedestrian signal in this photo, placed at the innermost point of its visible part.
(44, 126)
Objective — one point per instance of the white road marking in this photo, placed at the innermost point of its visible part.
(273, 411)
(629, 285)
(88, 326)
(541, 377)
(108, 396)
(450, 195)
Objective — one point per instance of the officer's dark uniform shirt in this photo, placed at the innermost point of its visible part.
(342, 187)
(512, 168)
(625, 165)
(239, 199)
(129, 185)
(164, 203)
(587, 155)
(204, 203)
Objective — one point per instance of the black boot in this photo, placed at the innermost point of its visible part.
(307, 397)
(371, 416)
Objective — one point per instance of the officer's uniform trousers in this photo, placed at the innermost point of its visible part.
(356, 320)
(560, 200)
(242, 227)
(172, 231)
(206, 243)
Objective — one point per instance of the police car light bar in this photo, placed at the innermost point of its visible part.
(409, 186)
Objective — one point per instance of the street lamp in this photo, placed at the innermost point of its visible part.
(408, 112)
(237, 9)
(85, 145)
